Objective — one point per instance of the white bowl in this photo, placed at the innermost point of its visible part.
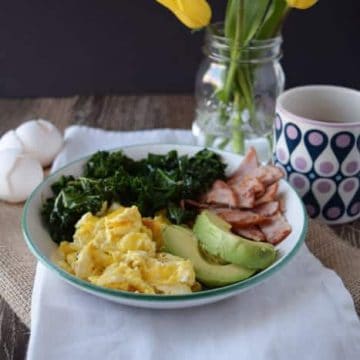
(41, 245)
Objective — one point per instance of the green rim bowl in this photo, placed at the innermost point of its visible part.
(39, 242)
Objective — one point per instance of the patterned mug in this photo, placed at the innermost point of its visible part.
(317, 144)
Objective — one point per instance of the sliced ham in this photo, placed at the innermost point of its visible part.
(197, 204)
(249, 201)
(248, 164)
(240, 218)
(252, 183)
(267, 209)
(221, 193)
(246, 192)
(276, 230)
(267, 174)
(252, 233)
(269, 195)
(245, 196)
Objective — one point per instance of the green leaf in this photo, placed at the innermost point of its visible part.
(273, 20)
(178, 215)
(253, 17)
(155, 183)
(230, 19)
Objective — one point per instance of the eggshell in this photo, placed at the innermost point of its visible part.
(40, 139)
(19, 175)
(11, 141)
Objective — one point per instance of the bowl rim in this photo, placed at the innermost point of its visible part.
(89, 287)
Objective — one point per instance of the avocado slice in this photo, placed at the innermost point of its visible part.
(182, 242)
(216, 238)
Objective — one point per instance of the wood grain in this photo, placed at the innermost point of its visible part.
(108, 112)
(14, 335)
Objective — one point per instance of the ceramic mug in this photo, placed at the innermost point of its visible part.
(317, 144)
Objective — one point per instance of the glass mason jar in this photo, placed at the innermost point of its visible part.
(236, 90)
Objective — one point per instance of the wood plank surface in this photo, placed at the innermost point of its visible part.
(14, 335)
(108, 112)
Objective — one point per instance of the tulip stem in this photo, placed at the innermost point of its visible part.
(237, 137)
(235, 52)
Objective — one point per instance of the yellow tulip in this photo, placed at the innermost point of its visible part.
(301, 4)
(195, 14)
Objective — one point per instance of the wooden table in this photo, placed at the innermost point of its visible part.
(108, 112)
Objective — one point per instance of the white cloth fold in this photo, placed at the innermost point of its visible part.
(302, 312)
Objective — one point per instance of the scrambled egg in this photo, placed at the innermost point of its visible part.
(120, 250)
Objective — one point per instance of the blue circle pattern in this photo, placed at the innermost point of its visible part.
(315, 151)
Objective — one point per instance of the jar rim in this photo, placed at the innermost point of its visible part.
(223, 42)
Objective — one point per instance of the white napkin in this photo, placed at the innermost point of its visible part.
(302, 312)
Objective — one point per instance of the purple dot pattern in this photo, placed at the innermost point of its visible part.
(349, 185)
(281, 154)
(342, 141)
(323, 186)
(299, 182)
(352, 167)
(310, 209)
(300, 163)
(355, 208)
(292, 132)
(316, 139)
(326, 167)
(333, 212)
(344, 204)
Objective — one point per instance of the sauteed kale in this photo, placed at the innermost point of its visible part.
(155, 183)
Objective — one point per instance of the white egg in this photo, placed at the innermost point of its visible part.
(40, 139)
(11, 141)
(19, 175)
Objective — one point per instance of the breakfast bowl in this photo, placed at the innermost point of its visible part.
(40, 243)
